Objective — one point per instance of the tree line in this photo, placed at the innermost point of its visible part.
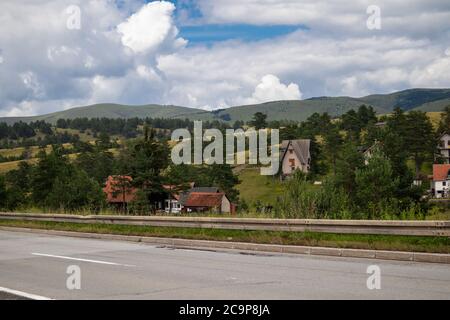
(378, 184)
(58, 183)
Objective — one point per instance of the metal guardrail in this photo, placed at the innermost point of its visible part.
(411, 228)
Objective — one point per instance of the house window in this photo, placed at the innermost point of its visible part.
(292, 162)
(444, 183)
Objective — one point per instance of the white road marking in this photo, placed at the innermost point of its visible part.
(24, 294)
(84, 260)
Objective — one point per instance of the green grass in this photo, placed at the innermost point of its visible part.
(85, 137)
(12, 165)
(254, 186)
(376, 242)
(435, 118)
(15, 152)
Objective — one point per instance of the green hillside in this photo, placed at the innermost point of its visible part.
(294, 110)
(407, 99)
(109, 110)
(435, 106)
(297, 110)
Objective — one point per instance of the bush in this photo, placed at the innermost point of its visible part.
(303, 201)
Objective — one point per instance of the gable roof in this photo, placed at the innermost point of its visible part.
(301, 149)
(441, 172)
(204, 199)
(114, 190)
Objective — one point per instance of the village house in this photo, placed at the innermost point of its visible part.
(172, 204)
(444, 148)
(200, 199)
(368, 152)
(120, 193)
(215, 202)
(295, 155)
(441, 181)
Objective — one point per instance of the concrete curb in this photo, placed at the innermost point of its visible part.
(274, 248)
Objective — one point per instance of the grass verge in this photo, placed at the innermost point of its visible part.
(353, 241)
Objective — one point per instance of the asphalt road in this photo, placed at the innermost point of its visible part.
(37, 264)
(9, 296)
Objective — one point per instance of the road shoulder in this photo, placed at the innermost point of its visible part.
(272, 248)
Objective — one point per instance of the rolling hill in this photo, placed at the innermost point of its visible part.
(297, 110)
(110, 110)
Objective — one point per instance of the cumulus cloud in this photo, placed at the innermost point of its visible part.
(150, 28)
(271, 89)
(322, 65)
(47, 66)
(132, 53)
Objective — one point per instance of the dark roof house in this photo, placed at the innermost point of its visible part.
(295, 155)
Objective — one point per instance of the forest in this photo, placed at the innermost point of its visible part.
(70, 179)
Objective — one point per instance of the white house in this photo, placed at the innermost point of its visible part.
(369, 152)
(440, 185)
(444, 147)
(295, 155)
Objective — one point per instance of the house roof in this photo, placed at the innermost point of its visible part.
(441, 172)
(205, 189)
(301, 149)
(115, 187)
(184, 196)
(174, 190)
(204, 199)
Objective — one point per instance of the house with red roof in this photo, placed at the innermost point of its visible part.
(200, 199)
(216, 202)
(441, 181)
(119, 190)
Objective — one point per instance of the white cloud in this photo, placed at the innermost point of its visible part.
(271, 89)
(150, 28)
(414, 17)
(322, 65)
(133, 53)
(47, 66)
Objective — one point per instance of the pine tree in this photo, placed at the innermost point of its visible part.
(148, 159)
(375, 185)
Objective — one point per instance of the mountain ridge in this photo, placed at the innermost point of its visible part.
(297, 110)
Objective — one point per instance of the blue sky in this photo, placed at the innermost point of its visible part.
(188, 16)
(211, 33)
